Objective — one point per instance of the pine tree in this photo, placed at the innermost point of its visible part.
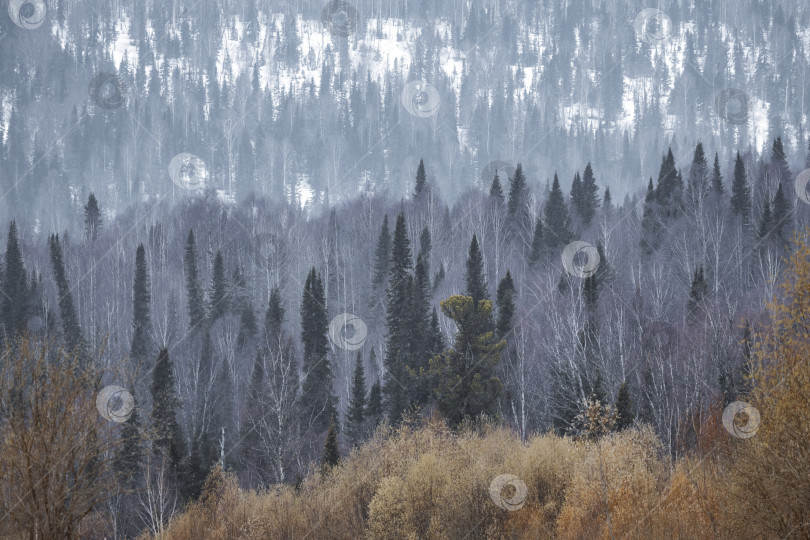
(518, 205)
(70, 321)
(196, 303)
(698, 291)
(624, 408)
(589, 198)
(92, 218)
(466, 386)
(331, 454)
(496, 190)
(421, 180)
(717, 177)
(355, 416)
(740, 192)
(382, 258)
(476, 282)
(15, 298)
(168, 435)
(141, 319)
(317, 399)
(506, 306)
(537, 243)
(219, 289)
(558, 223)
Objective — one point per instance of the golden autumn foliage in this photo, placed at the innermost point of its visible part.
(431, 482)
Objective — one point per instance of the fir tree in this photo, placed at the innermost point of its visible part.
(624, 408)
(331, 454)
(740, 192)
(650, 226)
(15, 298)
(669, 191)
(436, 338)
(589, 198)
(607, 201)
(698, 291)
(317, 398)
(698, 175)
(168, 436)
(476, 282)
(518, 205)
(779, 161)
(782, 218)
(576, 195)
(70, 321)
(129, 453)
(496, 190)
(219, 289)
(506, 306)
(717, 177)
(537, 243)
(765, 224)
(196, 303)
(274, 320)
(557, 232)
(421, 180)
(141, 319)
(425, 247)
(382, 258)
(374, 409)
(92, 218)
(355, 416)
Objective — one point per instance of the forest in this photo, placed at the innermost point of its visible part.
(404, 269)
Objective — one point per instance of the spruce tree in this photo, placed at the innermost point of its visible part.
(698, 291)
(70, 321)
(537, 243)
(740, 192)
(576, 195)
(196, 303)
(331, 454)
(15, 299)
(607, 201)
(382, 258)
(92, 218)
(589, 198)
(219, 289)
(476, 281)
(765, 223)
(650, 227)
(355, 416)
(374, 409)
(782, 218)
(518, 205)
(506, 306)
(496, 190)
(128, 455)
(141, 319)
(436, 338)
(274, 320)
(168, 435)
(698, 175)
(317, 399)
(557, 232)
(717, 177)
(669, 190)
(421, 180)
(624, 408)
(425, 247)
(779, 163)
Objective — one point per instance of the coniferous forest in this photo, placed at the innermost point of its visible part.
(404, 269)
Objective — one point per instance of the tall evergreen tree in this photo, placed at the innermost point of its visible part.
(765, 223)
(624, 408)
(274, 319)
(374, 409)
(506, 306)
(576, 195)
(331, 454)
(141, 319)
(317, 398)
(15, 299)
(740, 192)
(476, 281)
(698, 291)
(717, 177)
(70, 321)
(518, 205)
(557, 231)
(92, 218)
(589, 198)
(196, 302)
(382, 258)
(650, 226)
(421, 180)
(669, 191)
(355, 416)
(698, 175)
(425, 247)
(219, 298)
(168, 435)
(496, 190)
(782, 216)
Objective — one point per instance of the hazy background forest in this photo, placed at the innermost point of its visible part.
(250, 245)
